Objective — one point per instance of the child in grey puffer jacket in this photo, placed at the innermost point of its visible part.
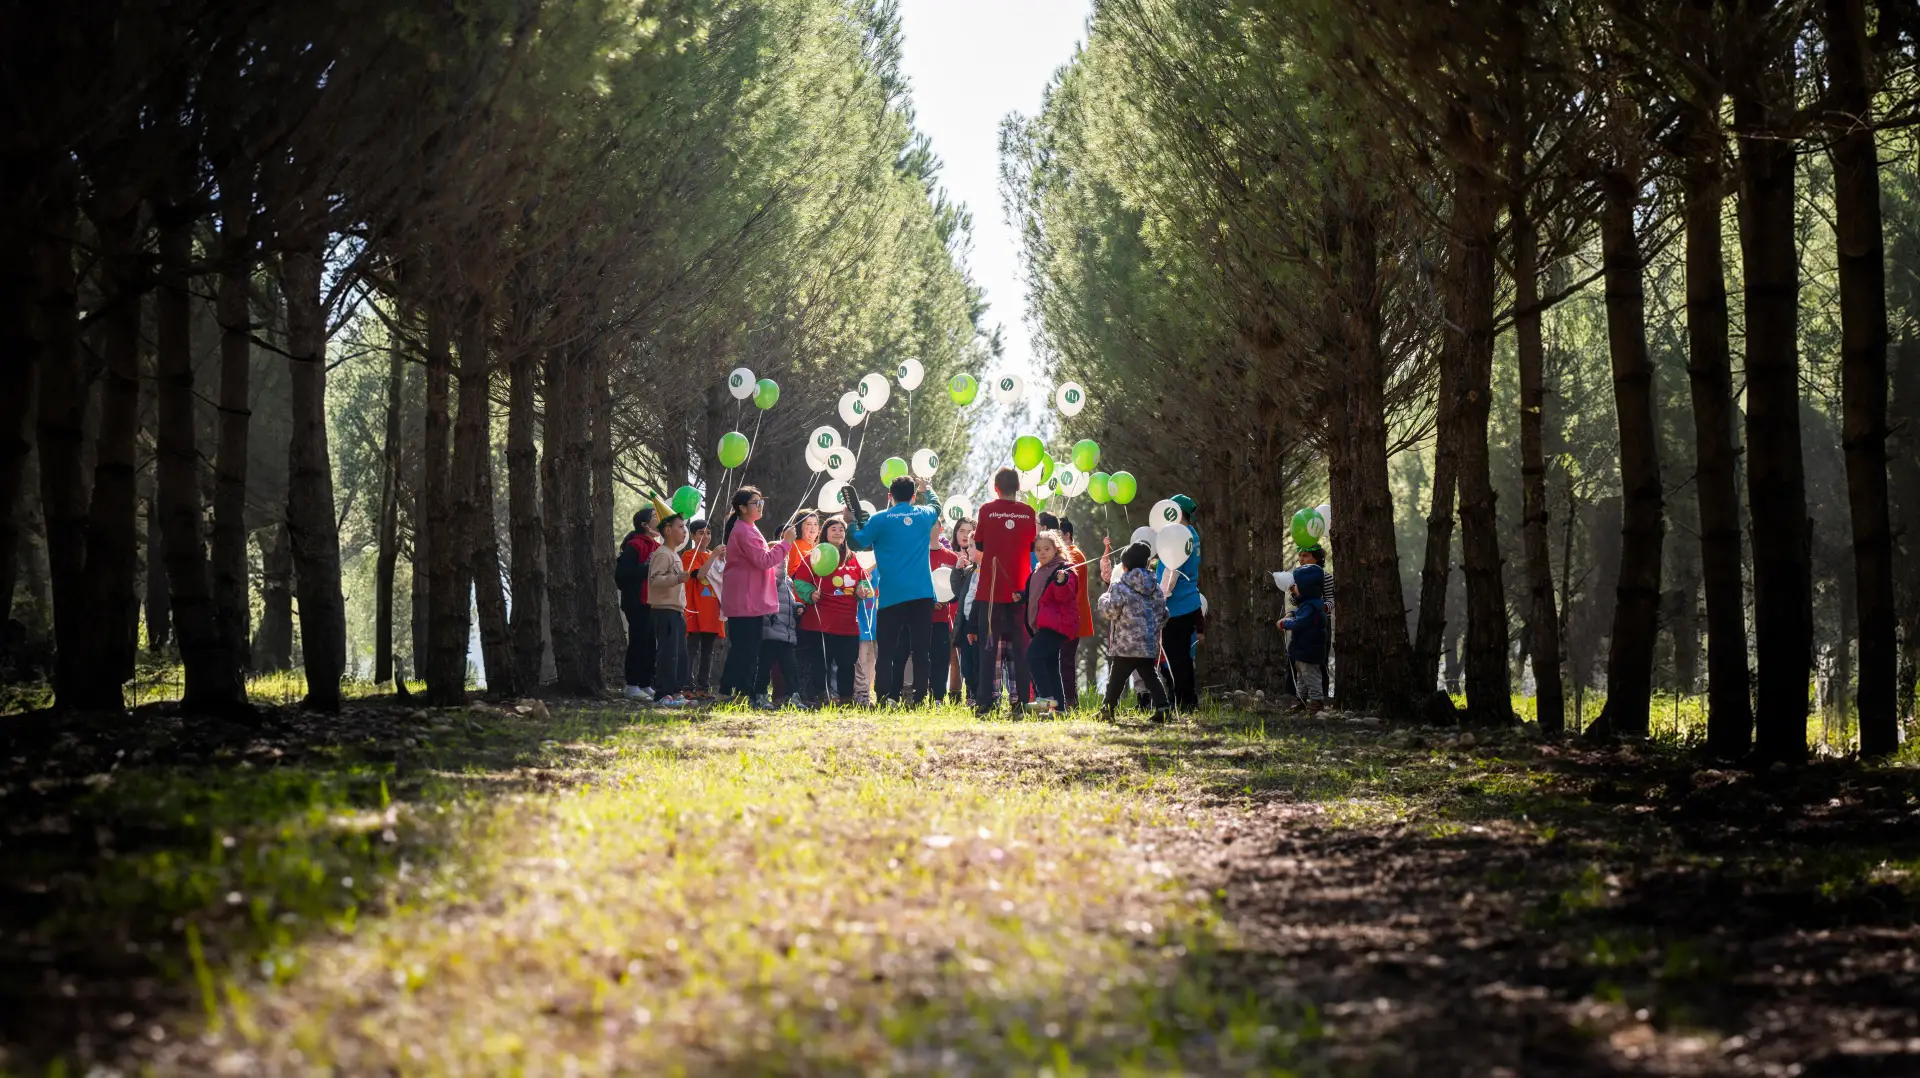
(1135, 612)
(779, 634)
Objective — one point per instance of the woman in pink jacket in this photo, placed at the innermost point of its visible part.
(1053, 614)
(747, 593)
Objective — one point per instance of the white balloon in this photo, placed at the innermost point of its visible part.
(925, 462)
(1326, 519)
(1165, 511)
(911, 374)
(1203, 605)
(830, 496)
(1073, 482)
(1030, 479)
(1141, 535)
(1174, 544)
(823, 438)
(1009, 388)
(742, 384)
(816, 460)
(957, 510)
(1070, 398)
(840, 463)
(875, 392)
(865, 558)
(851, 410)
(1283, 580)
(943, 584)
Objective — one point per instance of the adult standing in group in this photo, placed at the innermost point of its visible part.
(630, 576)
(1183, 615)
(938, 657)
(1005, 539)
(899, 536)
(747, 589)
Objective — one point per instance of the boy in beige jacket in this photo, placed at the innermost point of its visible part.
(667, 580)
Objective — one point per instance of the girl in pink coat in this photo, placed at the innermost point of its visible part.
(747, 594)
(1053, 614)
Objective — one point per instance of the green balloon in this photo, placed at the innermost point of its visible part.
(733, 449)
(804, 590)
(891, 469)
(1097, 488)
(1086, 454)
(1122, 488)
(963, 388)
(1303, 537)
(1046, 466)
(766, 394)
(826, 558)
(1027, 451)
(685, 501)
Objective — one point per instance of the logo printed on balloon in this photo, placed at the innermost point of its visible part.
(825, 441)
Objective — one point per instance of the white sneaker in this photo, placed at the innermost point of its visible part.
(635, 692)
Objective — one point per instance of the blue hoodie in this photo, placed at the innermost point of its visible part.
(898, 537)
(1185, 598)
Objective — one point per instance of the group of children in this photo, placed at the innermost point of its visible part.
(808, 630)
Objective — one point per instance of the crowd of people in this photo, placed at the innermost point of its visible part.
(887, 608)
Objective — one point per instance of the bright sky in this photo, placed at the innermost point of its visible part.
(971, 62)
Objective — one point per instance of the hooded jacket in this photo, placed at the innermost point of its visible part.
(1135, 612)
(784, 623)
(630, 570)
(1053, 598)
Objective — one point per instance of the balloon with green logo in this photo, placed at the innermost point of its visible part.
(733, 449)
(1086, 454)
(826, 558)
(962, 388)
(1304, 529)
(686, 501)
(766, 392)
(1097, 488)
(1122, 488)
(1027, 451)
(891, 469)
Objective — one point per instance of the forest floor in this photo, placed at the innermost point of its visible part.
(605, 888)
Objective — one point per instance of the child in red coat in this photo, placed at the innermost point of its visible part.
(1053, 614)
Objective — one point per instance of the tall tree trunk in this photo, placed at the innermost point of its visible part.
(213, 680)
(1776, 477)
(1717, 477)
(159, 602)
(1863, 367)
(1904, 474)
(113, 547)
(273, 642)
(388, 541)
(447, 605)
(1530, 347)
(606, 604)
(62, 433)
(19, 385)
(1437, 564)
(479, 557)
(567, 484)
(1469, 302)
(523, 518)
(234, 309)
(1636, 611)
(312, 530)
(1372, 623)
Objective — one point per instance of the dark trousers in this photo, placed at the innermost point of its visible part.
(1120, 670)
(670, 652)
(1001, 623)
(843, 660)
(1043, 658)
(699, 668)
(742, 672)
(778, 655)
(901, 631)
(1177, 641)
(1070, 672)
(827, 660)
(639, 661)
(939, 658)
(969, 665)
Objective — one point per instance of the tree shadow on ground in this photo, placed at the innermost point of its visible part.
(146, 850)
(1511, 907)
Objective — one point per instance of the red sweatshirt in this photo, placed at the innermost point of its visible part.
(1006, 534)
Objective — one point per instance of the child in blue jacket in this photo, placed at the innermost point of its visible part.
(1307, 640)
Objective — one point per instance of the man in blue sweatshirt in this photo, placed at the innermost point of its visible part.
(898, 537)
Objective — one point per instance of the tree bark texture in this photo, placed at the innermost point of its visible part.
(446, 666)
(19, 385)
(213, 680)
(387, 556)
(1437, 564)
(1776, 477)
(1543, 620)
(566, 484)
(1717, 457)
(523, 518)
(1863, 367)
(233, 308)
(62, 435)
(606, 605)
(1904, 476)
(273, 641)
(1636, 611)
(113, 545)
(158, 603)
(1470, 300)
(479, 557)
(312, 529)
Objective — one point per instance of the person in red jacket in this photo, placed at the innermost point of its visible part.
(829, 625)
(1004, 538)
(1053, 613)
(940, 641)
